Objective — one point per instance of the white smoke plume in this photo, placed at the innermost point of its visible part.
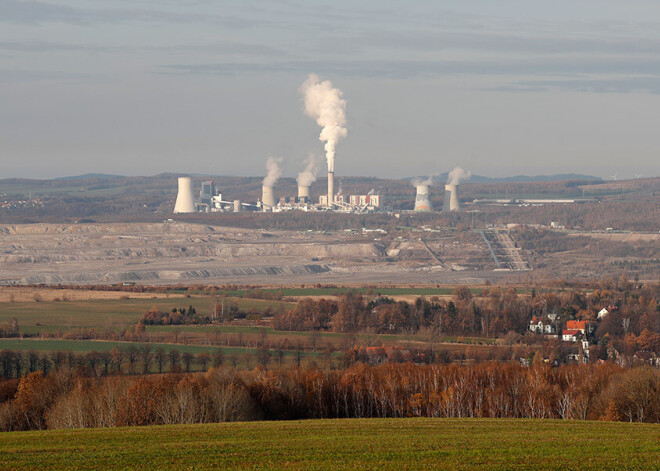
(308, 175)
(421, 181)
(274, 170)
(325, 104)
(456, 175)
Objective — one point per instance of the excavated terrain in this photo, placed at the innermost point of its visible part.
(177, 252)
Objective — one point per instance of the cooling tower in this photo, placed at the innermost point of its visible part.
(331, 188)
(303, 193)
(423, 200)
(185, 200)
(268, 197)
(451, 199)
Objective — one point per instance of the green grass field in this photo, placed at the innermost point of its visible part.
(35, 317)
(343, 444)
(84, 346)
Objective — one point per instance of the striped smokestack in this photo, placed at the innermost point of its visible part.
(331, 188)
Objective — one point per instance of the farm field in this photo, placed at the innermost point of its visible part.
(343, 444)
(84, 346)
(35, 317)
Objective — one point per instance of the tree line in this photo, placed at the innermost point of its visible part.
(67, 400)
(635, 311)
(133, 359)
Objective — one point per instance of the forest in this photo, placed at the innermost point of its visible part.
(633, 324)
(67, 399)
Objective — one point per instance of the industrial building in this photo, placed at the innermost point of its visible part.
(211, 200)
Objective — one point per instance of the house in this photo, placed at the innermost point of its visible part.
(606, 311)
(570, 335)
(542, 325)
(577, 325)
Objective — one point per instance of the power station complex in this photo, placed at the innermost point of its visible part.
(211, 200)
(326, 105)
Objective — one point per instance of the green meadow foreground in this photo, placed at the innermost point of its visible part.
(343, 444)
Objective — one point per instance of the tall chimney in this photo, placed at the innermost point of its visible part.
(422, 200)
(185, 200)
(268, 197)
(331, 188)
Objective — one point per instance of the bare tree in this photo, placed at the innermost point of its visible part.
(203, 360)
(160, 357)
(131, 357)
(218, 358)
(187, 359)
(625, 323)
(147, 356)
(174, 358)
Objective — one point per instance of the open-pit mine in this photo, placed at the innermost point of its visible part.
(187, 253)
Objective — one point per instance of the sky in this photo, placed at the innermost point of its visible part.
(500, 88)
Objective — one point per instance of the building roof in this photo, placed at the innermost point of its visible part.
(579, 325)
(570, 332)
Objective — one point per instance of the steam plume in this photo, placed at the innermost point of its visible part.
(325, 104)
(308, 176)
(420, 181)
(274, 170)
(456, 175)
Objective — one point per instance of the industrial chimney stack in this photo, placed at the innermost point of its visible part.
(331, 189)
(185, 199)
(423, 200)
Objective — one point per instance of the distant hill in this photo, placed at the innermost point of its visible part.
(89, 176)
(515, 179)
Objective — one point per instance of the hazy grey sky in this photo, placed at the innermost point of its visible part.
(499, 87)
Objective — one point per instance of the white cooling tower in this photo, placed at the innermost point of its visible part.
(331, 189)
(452, 202)
(185, 199)
(268, 197)
(423, 200)
(303, 191)
(303, 194)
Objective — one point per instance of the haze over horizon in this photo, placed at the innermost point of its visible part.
(499, 88)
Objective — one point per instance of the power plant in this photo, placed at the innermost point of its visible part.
(325, 104)
(422, 199)
(185, 199)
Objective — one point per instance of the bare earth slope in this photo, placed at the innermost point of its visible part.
(179, 252)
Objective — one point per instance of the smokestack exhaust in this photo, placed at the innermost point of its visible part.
(185, 199)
